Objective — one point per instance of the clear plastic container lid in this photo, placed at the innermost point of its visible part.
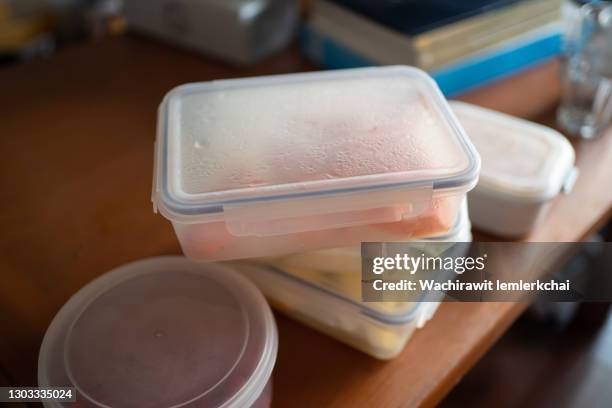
(162, 332)
(242, 142)
(520, 159)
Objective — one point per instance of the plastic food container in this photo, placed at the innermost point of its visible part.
(347, 260)
(524, 166)
(329, 301)
(280, 164)
(163, 332)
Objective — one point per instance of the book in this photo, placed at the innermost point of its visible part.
(509, 58)
(414, 17)
(489, 64)
(435, 48)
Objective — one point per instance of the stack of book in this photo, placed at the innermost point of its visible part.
(462, 44)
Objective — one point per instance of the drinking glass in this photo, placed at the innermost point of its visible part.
(586, 102)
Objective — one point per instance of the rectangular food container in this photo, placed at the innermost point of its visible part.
(280, 164)
(347, 260)
(524, 167)
(327, 299)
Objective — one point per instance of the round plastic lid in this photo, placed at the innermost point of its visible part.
(162, 332)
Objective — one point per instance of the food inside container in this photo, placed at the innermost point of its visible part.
(347, 260)
(281, 164)
(316, 291)
(524, 167)
(163, 332)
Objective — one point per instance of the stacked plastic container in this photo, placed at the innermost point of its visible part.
(271, 166)
(322, 289)
(284, 176)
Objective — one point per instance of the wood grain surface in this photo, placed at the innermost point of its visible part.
(77, 137)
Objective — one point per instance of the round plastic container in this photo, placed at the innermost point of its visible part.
(163, 332)
(282, 164)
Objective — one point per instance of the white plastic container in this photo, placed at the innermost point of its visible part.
(163, 332)
(329, 301)
(281, 164)
(524, 166)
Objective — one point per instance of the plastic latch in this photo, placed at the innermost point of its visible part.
(280, 217)
(570, 180)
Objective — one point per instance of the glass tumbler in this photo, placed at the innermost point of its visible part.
(586, 102)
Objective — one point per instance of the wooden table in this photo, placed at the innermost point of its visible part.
(77, 134)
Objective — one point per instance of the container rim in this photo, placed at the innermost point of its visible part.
(386, 318)
(173, 207)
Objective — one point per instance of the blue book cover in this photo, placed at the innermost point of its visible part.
(456, 78)
(413, 17)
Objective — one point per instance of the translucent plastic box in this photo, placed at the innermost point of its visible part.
(318, 292)
(525, 166)
(163, 332)
(271, 165)
(347, 260)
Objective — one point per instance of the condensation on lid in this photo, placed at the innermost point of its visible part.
(305, 133)
(519, 157)
(174, 334)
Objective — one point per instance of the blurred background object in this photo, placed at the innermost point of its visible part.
(25, 29)
(586, 103)
(238, 31)
(87, 19)
(35, 28)
(463, 45)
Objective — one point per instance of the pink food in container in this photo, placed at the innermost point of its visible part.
(271, 165)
